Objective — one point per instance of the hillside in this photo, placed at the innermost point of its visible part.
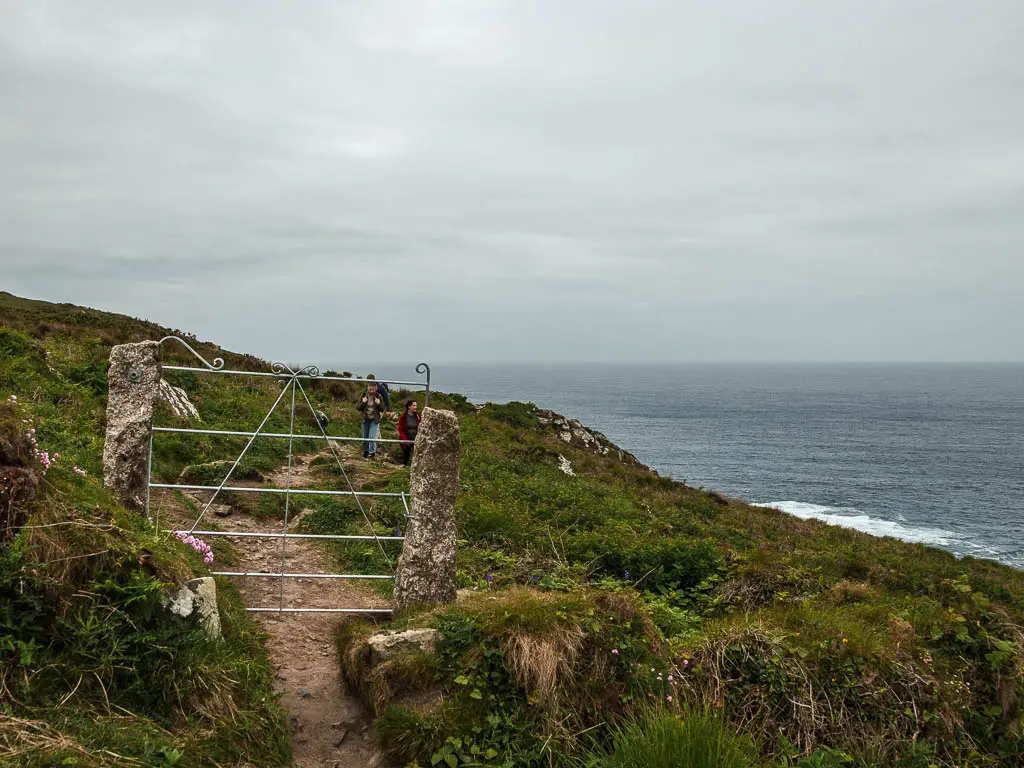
(591, 600)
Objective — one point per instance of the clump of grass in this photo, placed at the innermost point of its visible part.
(847, 591)
(35, 742)
(691, 738)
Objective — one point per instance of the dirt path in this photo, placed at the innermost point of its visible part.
(330, 728)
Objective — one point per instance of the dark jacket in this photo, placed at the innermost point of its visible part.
(401, 424)
(362, 406)
(385, 392)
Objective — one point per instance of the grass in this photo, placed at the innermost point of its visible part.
(824, 646)
(691, 738)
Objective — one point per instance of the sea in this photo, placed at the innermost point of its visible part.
(930, 453)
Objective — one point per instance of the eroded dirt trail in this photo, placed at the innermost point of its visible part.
(330, 727)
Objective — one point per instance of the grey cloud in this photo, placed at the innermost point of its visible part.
(580, 180)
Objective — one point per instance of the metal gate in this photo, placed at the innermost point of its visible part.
(292, 387)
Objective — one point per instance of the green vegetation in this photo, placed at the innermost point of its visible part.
(698, 739)
(588, 601)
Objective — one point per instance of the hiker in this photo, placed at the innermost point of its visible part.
(372, 406)
(408, 425)
(384, 391)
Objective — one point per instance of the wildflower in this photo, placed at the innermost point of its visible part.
(668, 698)
(14, 398)
(686, 662)
(670, 678)
(626, 575)
(490, 578)
(615, 651)
(659, 678)
(536, 578)
(927, 659)
(845, 641)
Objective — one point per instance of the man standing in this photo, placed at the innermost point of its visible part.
(372, 406)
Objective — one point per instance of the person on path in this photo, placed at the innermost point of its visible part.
(384, 391)
(371, 404)
(408, 426)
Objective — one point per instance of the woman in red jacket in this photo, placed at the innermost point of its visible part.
(408, 425)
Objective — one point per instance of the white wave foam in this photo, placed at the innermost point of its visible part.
(854, 518)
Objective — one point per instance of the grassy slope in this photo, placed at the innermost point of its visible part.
(93, 672)
(812, 639)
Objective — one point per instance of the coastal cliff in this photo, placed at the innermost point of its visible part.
(599, 602)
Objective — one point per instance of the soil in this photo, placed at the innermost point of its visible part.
(330, 727)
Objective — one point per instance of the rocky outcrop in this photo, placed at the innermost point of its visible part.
(385, 645)
(426, 567)
(572, 432)
(198, 597)
(134, 383)
(177, 400)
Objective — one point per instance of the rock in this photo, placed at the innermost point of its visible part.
(426, 567)
(573, 432)
(199, 596)
(221, 510)
(213, 472)
(177, 400)
(566, 466)
(134, 381)
(384, 645)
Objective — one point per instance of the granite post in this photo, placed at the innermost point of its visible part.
(426, 567)
(134, 383)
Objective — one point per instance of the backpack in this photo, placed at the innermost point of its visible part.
(385, 394)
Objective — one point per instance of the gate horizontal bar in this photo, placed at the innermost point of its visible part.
(301, 575)
(291, 535)
(291, 376)
(247, 489)
(233, 433)
(319, 610)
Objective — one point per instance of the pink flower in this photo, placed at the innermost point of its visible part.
(14, 398)
(668, 698)
(686, 662)
(615, 651)
(670, 678)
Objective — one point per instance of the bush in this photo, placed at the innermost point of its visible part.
(514, 414)
(692, 739)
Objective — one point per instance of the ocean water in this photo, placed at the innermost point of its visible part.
(925, 453)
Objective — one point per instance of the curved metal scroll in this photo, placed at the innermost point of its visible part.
(282, 368)
(216, 365)
(424, 368)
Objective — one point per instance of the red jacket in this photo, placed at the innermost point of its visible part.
(401, 423)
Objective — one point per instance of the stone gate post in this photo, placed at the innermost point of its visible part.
(133, 384)
(426, 567)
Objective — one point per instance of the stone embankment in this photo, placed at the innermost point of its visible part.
(572, 432)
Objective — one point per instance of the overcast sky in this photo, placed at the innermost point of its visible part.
(532, 180)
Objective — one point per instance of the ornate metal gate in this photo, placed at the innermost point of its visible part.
(292, 389)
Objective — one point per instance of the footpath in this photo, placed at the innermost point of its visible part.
(330, 727)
